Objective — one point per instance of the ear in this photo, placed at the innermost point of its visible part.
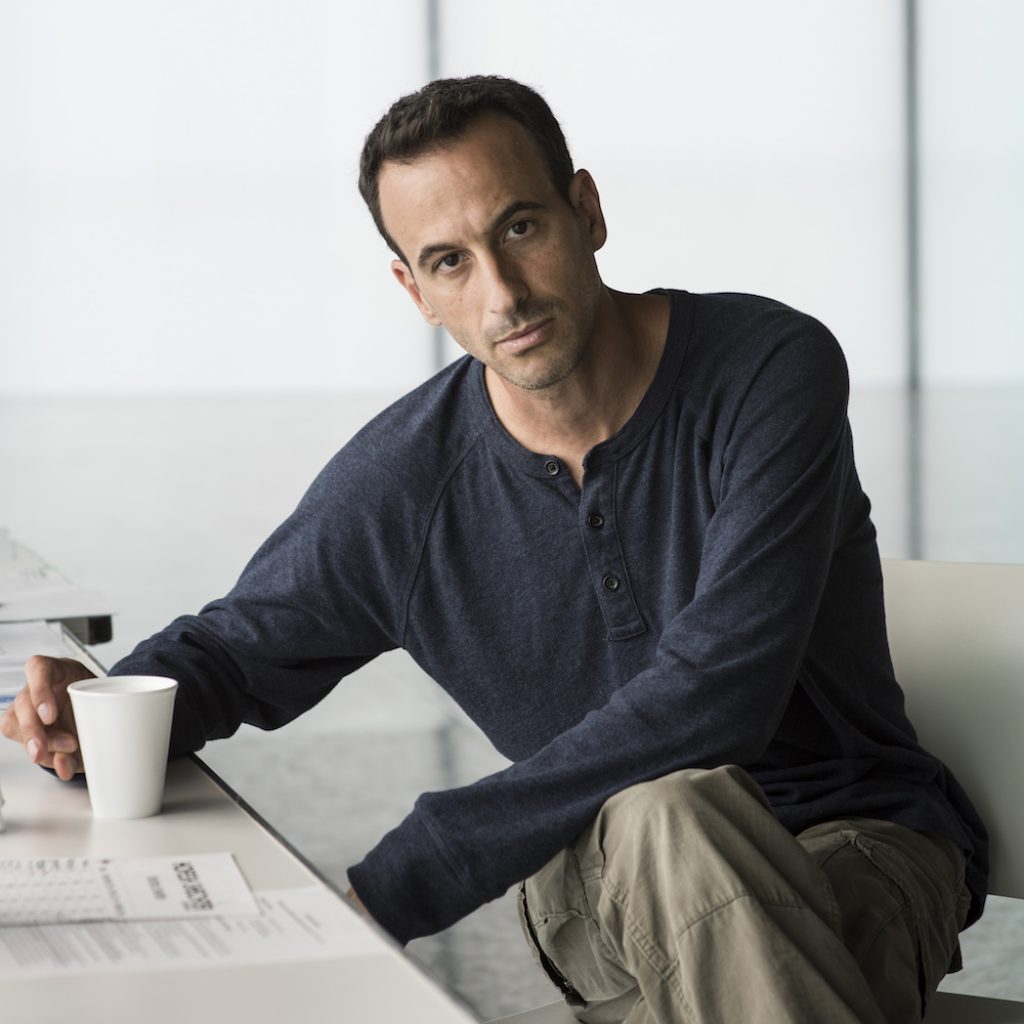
(585, 200)
(403, 275)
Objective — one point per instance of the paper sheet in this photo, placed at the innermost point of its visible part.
(71, 889)
(30, 588)
(18, 642)
(294, 924)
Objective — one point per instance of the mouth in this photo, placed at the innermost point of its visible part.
(527, 338)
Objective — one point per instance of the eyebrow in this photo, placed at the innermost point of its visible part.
(516, 206)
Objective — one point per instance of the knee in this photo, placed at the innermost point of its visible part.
(691, 802)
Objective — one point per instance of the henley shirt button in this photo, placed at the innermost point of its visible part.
(596, 520)
(611, 583)
(552, 467)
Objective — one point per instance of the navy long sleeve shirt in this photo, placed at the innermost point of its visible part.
(711, 595)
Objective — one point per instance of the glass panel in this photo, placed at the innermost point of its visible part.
(179, 197)
(764, 160)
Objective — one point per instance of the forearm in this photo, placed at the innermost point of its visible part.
(225, 681)
(210, 700)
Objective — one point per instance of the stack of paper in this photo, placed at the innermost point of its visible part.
(31, 589)
(58, 890)
(72, 915)
(18, 642)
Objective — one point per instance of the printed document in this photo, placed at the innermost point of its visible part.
(294, 924)
(18, 642)
(56, 890)
(30, 588)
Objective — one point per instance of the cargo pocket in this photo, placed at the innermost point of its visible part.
(560, 926)
(555, 976)
(908, 921)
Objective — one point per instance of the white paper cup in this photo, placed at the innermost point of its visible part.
(124, 728)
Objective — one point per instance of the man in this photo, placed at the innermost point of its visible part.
(627, 535)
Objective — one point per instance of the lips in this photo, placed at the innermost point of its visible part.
(527, 338)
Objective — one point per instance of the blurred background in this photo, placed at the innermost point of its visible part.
(196, 310)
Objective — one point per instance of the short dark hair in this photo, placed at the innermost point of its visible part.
(441, 111)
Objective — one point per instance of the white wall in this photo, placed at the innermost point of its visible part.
(972, 197)
(738, 146)
(178, 210)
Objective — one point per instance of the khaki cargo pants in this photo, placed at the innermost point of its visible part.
(687, 901)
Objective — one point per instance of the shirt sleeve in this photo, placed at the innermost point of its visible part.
(315, 603)
(724, 668)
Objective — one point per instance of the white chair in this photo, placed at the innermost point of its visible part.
(957, 637)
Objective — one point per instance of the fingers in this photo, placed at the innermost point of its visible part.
(28, 730)
(67, 766)
(41, 716)
(45, 678)
(354, 899)
(22, 724)
(9, 724)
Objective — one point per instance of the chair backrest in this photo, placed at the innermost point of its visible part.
(957, 637)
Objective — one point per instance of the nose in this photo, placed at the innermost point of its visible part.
(506, 286)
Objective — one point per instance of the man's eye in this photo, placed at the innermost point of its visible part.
(449, 262)
(520, 228)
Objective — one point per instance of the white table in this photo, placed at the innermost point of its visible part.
(48, 818)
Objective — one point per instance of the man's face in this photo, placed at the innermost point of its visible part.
(495, 253)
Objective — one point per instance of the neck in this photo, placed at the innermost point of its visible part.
(601, 393)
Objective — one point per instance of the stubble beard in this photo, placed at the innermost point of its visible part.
(547, 376)
(571, 350)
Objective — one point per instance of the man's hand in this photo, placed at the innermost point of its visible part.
(41, 716)
(357, 903)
